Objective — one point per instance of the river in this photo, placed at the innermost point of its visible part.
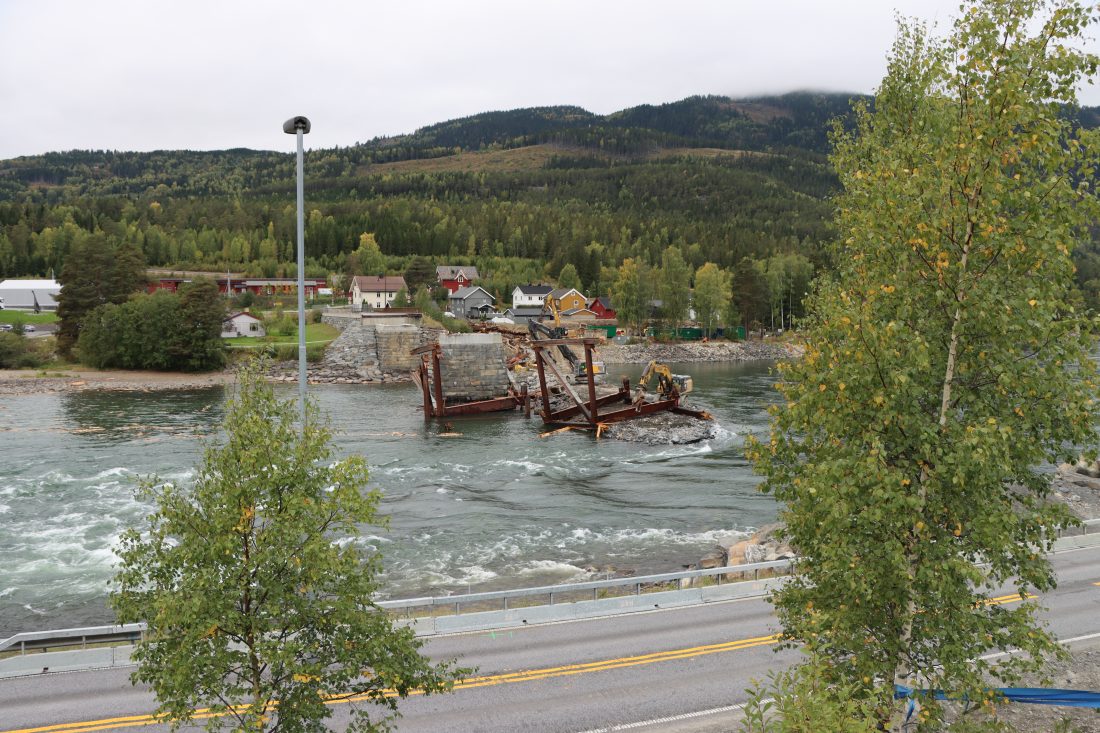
(494, 508)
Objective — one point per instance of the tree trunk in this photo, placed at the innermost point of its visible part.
(902, 666)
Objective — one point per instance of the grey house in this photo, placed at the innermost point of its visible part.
(471, 302)
(523, 315)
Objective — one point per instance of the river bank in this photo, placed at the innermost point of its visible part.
(37, 381)
(699, 352)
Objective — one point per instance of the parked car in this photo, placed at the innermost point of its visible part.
(29, 327)
(6, 327)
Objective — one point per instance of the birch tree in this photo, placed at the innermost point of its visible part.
(256, 589)
(944, 363)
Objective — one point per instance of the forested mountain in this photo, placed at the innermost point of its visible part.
(520, 193)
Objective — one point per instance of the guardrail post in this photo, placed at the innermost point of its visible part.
(551, 598)
(505, 603)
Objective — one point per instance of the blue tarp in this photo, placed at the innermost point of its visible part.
(1032, 695)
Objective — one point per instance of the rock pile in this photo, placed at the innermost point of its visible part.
(765, 545)
(663, 428)
(1078, 486)
(697, 351)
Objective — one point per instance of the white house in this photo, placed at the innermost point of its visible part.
(530, 296)
(373, 291)
(22, 294)
(243, 324)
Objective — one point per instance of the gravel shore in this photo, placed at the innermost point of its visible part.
(30, 381)
(697, 351)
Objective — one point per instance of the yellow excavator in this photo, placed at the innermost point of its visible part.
(669, 386)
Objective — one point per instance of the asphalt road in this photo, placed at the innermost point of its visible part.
(683, 667)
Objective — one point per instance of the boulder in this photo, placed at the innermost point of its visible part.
(1088, 468)
(716, 558)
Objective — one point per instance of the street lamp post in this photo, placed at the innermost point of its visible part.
(300, 126)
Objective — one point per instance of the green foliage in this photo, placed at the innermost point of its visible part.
(712, 295)
(750, 294)
(675, 287)
(632, 292)
(19, 352)
(95, 273)
(568, 277)
(255, 586)
(944, 363)
(367, 259)
(163, 331)
(419, 274)
(807, 698)
(196, 343)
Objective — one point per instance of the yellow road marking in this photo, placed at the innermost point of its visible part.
(1096, 583)
(529, 675)
(487, 681)
(1010, 598)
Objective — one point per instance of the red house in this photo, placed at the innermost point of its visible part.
(454, 278)
(602, 308)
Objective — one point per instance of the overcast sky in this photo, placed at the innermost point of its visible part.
(215, 74)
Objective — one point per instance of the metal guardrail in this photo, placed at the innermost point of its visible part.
(40, 641)
(640, 584)
(44, 641)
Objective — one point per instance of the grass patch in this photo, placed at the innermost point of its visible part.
(13, 316)
(316, 333)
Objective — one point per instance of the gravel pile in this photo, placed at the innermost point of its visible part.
(666, 428)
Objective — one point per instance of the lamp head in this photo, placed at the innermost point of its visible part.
(291, 126)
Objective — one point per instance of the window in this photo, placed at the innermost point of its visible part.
(253, 326)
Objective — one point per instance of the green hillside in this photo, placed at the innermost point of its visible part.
(521, 193)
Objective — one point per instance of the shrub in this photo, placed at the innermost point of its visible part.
(19, 352)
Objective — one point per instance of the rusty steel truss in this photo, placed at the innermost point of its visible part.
(589, 411)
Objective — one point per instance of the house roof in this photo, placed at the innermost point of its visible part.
(30, 285)
(602, 300)
(535, 289)
(384, 284)
(257, 282)
(525, 312)
(464, 293)
(451, 272)
(242, 313)
(577, 312)
(560, 293)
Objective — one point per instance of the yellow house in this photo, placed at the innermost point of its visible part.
(566, 299)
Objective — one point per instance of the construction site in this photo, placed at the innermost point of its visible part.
(558, 377)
